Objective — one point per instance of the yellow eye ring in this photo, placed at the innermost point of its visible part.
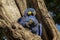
(29, 13)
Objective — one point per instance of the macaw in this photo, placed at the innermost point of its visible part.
(34, 26)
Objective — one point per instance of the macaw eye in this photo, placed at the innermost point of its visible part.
(31, 21)
(29, 13)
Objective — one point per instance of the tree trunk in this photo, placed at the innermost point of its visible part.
(9, 14)
(12, 10)
(50, 27)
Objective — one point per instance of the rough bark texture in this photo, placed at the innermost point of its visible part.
(12, 10)
(9, 14)
(52, 32)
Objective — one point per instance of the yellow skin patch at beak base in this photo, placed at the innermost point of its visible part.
(29, 13)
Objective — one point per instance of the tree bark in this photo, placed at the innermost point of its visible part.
(9, 14)
(48, 21)
(12, 10)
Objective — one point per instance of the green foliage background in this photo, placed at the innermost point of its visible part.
(54, 6)
(1, 34)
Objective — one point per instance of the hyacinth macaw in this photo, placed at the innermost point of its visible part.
(35, 27)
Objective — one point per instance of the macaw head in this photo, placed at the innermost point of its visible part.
(30, 11)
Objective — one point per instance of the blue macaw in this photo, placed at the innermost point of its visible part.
(37, 28)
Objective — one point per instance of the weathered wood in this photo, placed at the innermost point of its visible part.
(11, 11)
(22, 5)
(48, 19)
(10, 14)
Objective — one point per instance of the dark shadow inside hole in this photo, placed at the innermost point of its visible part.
(13, 27)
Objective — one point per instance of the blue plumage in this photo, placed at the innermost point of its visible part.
(37, 28)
